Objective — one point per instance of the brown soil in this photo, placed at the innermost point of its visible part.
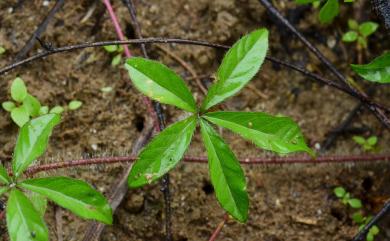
(293, 202)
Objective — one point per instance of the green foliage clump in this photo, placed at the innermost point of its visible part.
(367, 144)
(239, 65)
(116, 51)
(25, 106)
(357, 217)
(359, 32)
(27, 197)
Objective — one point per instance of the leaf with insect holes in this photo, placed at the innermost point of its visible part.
(8, 105)
(32, 141)
(376, 71)
(32, 105)
(226, 174)
(23, 222)
(368, 28)
(75, 104)
(350, 36)
(238, 67)
(162, 153)
(4, 178)
(339, 192)
(75, 195)
(20, 115)
(329, 11)
(160, 83)
(278, 134)
(18, 90)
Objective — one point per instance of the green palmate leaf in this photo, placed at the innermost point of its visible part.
(238, 67)
(75, 104)
(226, 174)
(4, 178)
(57, 110)
(329, 11)
(376, 71)
(20, 115)
(18, 90)
(23, 222)
(39, 202)
(32, 141)
(278, 134)
(160, 83)
(8, 105)
(162, 153)
(32, 105)
(350, 36)
(75, 195)
(368, 28)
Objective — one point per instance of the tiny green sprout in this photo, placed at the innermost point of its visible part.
(240, 64)
(117, 51)
(27, 196)
(359, 33)
(367, 144)
(357, 216)
(57, 110)
(75, 104)
(2, 50)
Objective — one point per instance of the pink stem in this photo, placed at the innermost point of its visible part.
(117, 26)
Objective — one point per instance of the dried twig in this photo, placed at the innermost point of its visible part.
(40, 29)
(216, 232)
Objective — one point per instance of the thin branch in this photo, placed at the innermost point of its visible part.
(275, 160)
(40, 29)
(189, 42)
(216, 232)
(378, 112)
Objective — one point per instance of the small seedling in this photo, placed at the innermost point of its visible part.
(25, 106)
(367, 144)
(377, 71)
(278, 134)
(359, 33)
(328, 11)
(2, 50)
(27, 197)
(116, 51)
(357, 217)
